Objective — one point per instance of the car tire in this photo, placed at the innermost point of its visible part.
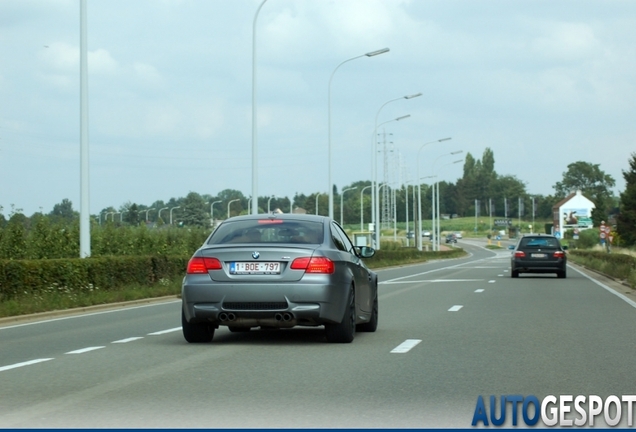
(239, 329)
(561, 274)
(196, 332)
(344, 331)
(514, 273)
(372, 324)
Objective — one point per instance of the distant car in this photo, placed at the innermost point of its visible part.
(451, 238)
(410, 235)
(536, 253)
(279, 271)
(458, 235)
(426, 234)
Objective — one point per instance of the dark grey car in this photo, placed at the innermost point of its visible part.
(536, 253)
(279, 271)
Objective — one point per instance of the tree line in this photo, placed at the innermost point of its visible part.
(481, 192)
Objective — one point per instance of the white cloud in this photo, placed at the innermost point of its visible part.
(148, 74)
(62, 57)
(567, 42)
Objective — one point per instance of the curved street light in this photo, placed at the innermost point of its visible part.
(171, 213)
(212, 208)
(147, 210)
(419, 191)
(159, 215)
(375, 194)
(228, 206)
(369, 54)
(341, 201)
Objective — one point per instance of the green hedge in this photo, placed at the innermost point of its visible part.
(26, 277)
(616, 265)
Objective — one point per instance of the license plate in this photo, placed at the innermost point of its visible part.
(538, 255)
(255, 268)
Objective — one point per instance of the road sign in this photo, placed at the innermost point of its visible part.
(503, 222)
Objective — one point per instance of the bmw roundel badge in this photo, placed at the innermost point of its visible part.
(255, 255)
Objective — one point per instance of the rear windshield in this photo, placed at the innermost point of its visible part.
(263, 231)
(539, 242)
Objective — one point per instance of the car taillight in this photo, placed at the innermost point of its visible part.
(559, 254)
(198, 265)
(313, 265)
(520, 254)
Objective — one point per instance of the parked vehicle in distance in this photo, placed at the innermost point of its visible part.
(451, 238)
(427, 234)
(279, 271)
(538, 253)
(458, 235)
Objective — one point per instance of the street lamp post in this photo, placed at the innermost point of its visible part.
(419, 192)
(159, 215)
(437, 234)
(228, 206)
(212, 208)
(171, 213)
(317, 195)
(369, 54)
(341, 202)
(434, 212)
(147, 210)
(375, 210)
(362, 208)
(254, 124)
(375, 192)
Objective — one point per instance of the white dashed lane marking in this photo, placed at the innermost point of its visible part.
(26, 363)
(406, 346)
(130, 339)
(165, 331)
(455, 308)
(85, 350)
(479, 290)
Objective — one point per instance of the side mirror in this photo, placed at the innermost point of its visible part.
(565, 247)
(511, 247)
(366, 251)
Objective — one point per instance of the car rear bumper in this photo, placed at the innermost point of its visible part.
(534, 266)
(262, 304)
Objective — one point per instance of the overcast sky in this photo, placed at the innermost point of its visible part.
(541, 83)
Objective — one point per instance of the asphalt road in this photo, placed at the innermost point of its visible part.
(449, 332)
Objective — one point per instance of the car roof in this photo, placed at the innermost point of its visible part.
(282, 216)
(538, 235)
